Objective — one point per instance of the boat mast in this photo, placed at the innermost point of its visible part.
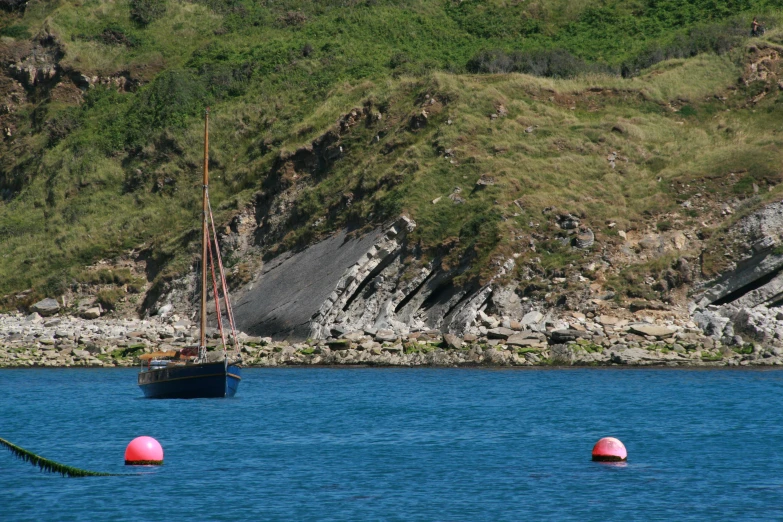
(202, 347)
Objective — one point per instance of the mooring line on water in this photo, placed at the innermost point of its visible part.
(51, 466)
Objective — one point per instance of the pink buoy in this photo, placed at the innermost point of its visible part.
(609, 449)
(144, 451)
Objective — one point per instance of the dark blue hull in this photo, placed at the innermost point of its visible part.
(191, 381)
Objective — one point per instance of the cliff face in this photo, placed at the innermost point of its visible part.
(363, 188)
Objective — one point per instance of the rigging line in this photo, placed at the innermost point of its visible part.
(217, 299)
(229, 310)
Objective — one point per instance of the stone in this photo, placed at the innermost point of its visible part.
(500, 333)
(532, 318)
(653, 330)
(339, 344)
(354, 336)
(488, 321)
(608, 320)
(452, 341)
(562, 354)
(565, 335)
(521, 340)
(385, 336)
(46, 307)
(337, 331)
(92, 313)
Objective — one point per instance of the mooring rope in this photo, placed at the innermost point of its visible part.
(51, 466)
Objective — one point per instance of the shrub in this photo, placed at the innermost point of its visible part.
(551, 63)
(114, 35)
(687, 110)
(145, 12)
(13, 5)
(663, 226)
(20, 32)
(292, 18)
(62, 124)
(717, 38)
(109, 297)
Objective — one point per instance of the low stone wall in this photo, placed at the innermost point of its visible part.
(32, 341)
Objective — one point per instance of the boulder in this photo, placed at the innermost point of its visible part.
(339, 344)
(532, 318)
(81, 354)
(636, 356)
(500, 333)
(46, 307)
(563, 336)
(523, 340)
(653, 330)
(92, 313)
(452, 341)
(385, 336)
(562, 354)
(608, 320)
(215, 356)
(354, 336)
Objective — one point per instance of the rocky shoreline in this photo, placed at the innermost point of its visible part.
(67, 341)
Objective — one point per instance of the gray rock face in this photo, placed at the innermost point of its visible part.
(46, 307)
(760, 229)
(291, 289)
(711, 323)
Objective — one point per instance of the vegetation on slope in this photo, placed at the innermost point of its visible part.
(92, 169)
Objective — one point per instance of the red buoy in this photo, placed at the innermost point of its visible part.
(609, 449)
(144, 451)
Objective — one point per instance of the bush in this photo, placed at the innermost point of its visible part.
(718, 38)
(144, 12)
(62, 124)
(13, 5)
(292, 18)
(109, 297)
(20, 32)
(116, 36)
(551, 63)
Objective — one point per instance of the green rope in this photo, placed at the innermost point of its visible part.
(50, 466)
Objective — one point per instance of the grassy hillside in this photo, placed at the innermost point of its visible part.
(531, 97)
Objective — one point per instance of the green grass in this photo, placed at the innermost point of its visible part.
(121, 170)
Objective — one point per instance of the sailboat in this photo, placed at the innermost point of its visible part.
(193, 372)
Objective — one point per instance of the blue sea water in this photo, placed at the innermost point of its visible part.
(401, 444)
